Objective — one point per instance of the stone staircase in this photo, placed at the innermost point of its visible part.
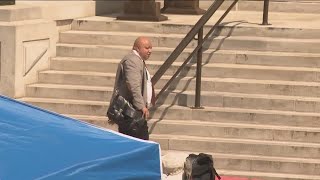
(260, 91)
(289, 6)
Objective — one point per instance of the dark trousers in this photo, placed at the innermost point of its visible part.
(137, 128)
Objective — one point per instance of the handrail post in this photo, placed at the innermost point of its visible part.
(186, 40)
(265, 12)
(197, 103)
(183, 44)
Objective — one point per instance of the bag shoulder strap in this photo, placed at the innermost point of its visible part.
(119, 77)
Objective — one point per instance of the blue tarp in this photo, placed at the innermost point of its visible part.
(37, 144)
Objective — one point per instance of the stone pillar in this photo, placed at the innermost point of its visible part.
(26, 43)
(7, 2)
(182, 7)
(142, 10)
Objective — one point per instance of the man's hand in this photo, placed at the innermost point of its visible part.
(145, 112)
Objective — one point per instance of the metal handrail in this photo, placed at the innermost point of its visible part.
(186, 40)
(197, 29)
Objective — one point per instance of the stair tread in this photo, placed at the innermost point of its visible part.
(210, 79)
(247, 156)
(235, 140)
(244, 95)
(235, 125)
(79, 116)
(96, 45)
(206, 108)
(221, 65)
(271, 53)
(203, 92)
(71, 86)
(111, 61)
(83, 59)
(209, 123)
(257, 81)
(173, 35)
(90, 73)
(123, 33)
(260, 67)
(227, 109)
(266, 174)
(63, 101)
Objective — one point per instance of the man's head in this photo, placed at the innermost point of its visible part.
(143, 46)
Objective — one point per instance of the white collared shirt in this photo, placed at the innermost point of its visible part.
(149, 84)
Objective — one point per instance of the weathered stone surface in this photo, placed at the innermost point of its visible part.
(145, 10)
(172, 163)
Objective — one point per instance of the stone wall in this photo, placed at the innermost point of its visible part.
(29, 33)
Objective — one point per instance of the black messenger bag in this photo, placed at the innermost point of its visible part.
(199, 167)
(119, 109)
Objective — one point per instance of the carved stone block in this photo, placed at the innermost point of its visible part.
(144, 10)
(33, 51)
(7, 2)
(182, 7)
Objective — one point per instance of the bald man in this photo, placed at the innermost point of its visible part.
(133, 82)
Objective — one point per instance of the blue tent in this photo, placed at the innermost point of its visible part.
(37, 144)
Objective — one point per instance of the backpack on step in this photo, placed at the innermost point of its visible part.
(199, 167)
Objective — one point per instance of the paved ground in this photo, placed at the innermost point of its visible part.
(172, 177)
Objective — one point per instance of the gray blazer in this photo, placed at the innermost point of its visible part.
(131, 81)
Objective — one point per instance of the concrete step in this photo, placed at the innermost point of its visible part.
(172, 40)
(101, 121)
(243, 100)
(219, 70)
(237, 115)
(234, 130)
(236, 162)
(262, 165)
(77, 78)
(268, 176)
(303, 6)
(94, 53)
(219, 114)
(235, 24)
(209, 70)
(84, 64)
(183, 98)
(69, 106)
(209, 144)
(235, 85)
(238, 146)
(251, 86)
(249, 166)
(65, 91)
(218, 129)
